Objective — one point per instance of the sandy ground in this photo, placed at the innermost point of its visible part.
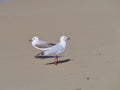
(93, 53)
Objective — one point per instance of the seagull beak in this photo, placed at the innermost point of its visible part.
(30, 40)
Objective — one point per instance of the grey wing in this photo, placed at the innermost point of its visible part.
(44, 45)
(54, 50)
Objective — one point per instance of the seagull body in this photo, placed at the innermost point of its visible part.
(40, 44)
(56, 49)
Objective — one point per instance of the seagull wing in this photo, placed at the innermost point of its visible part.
(47, 45)
(54, 50)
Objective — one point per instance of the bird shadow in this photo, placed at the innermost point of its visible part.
(59, 62)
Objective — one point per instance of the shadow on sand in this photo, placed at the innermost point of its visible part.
(59, 61)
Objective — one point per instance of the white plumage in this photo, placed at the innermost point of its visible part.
(40, 44)
(57, 49)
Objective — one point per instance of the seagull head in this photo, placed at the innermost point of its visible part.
(34, 38)
(63, 38)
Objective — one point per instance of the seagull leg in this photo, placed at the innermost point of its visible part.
(56, 60)
(40, 54)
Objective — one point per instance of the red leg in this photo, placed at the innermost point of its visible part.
(56, 60)
(40, 54)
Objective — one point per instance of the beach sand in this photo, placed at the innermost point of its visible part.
(92, 55)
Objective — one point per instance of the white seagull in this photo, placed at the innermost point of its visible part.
(40, 44)
(56, 49)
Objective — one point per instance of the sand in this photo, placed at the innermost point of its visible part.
(92, 55)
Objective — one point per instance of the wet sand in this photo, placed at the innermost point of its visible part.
(92, 57)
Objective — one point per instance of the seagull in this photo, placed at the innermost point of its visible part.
(56, 49)
(40, 44)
